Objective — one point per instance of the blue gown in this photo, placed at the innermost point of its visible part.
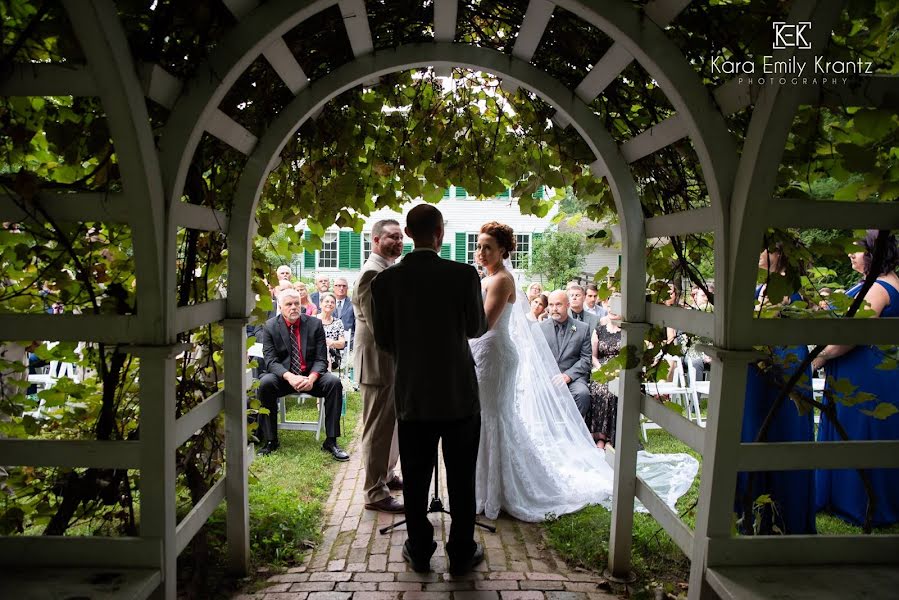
(840, 491)
(793, 492)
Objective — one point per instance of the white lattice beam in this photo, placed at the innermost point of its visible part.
(445, 17)
(355, 19)
(698, 220)
(114, 329)
(231, 132)
(47, 79)
(734, 95)
(199, 315)
(193, 216)
(662, 12)
(102, 38)
(240, 8)
(834, 214)
(613, 62)
(654, 139)
(160, 86)
(683, 319)
(617, 58)
(536, 19)
(68, 207)
(277, 54)
(286, 66)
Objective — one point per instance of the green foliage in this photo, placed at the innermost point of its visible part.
(559, 257)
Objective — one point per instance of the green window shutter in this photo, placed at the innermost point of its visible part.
(445, 251)
(407, 248)
(343, 250)
(460, 246)
(461, 192)
(505, 194)
(355, 250)
(540, 193)
(446, 193)
(308, 257)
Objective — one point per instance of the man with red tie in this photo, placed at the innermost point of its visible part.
(296, 360)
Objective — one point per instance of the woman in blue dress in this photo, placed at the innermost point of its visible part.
(791, 493)
(841, 491)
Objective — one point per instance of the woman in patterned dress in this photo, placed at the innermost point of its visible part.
(334, 337)
(603, 401)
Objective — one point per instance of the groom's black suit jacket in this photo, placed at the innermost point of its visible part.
(435, 376)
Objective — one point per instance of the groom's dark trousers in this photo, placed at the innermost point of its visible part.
(418, 451)
(436, 389)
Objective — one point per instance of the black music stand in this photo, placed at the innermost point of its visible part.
(436, 505)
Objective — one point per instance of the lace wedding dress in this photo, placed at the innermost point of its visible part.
(536, 457)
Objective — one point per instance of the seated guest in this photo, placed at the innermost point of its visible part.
(606, 341)
(569, 341)
(841, 491)
(306, 306)
(538, 308)
(296, 360)
(534, 290)
(284, 273)
(344, 309)
(576, 306)
(334, 337)
(591, 301)
(322, 284)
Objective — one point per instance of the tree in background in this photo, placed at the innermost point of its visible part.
(559, 257)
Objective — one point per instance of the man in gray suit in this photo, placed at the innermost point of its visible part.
(374, 371)
(569, 341)
(436, 387)
(576, 308)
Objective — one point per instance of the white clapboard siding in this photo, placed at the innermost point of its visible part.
(467, 216)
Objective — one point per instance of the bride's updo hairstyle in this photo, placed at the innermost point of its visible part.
(503, 235)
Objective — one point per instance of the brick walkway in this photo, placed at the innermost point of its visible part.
(355, 561)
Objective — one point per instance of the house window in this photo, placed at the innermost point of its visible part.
(327, 256)
(471, 245)
(366, 246)
(521, 258)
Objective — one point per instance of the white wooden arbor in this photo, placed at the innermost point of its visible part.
(740, 186)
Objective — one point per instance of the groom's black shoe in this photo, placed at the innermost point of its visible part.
(421, 566)
(458, 568)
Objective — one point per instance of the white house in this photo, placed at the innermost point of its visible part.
(344, 251)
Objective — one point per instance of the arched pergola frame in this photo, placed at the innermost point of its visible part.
(740, 188)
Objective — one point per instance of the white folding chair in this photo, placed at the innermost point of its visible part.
(677, 390)
(286, 424)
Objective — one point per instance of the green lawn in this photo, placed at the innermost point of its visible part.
(583, 538)
(288, 490)
(289, 487)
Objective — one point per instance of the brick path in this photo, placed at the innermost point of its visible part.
(355, 561)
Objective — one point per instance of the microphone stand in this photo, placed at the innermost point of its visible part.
(436, 505)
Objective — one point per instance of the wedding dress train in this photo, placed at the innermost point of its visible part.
(536, 457)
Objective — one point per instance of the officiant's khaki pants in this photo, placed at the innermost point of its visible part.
(379, 442)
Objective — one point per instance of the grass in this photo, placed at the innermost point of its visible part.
(583, 538)
(287, 493)
(289, 487)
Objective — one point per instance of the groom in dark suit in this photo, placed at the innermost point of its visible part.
(296, 360)
(436, 391)
(569, 340)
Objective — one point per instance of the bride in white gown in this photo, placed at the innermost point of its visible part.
(536, 457)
